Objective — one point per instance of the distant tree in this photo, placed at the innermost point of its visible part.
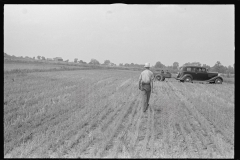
(141, 65)
(6, 55)
(137, 65)
(196, 64)
(171, 67)
(82, 62)
(175, 65)
(94, 62)
(206, 66)
(38, 57)
(106, 62)
(159, 65)
(33, 57)
(226, 69)
(43, 58)
(230, 69)
(126, 65)
(234, 67)
(112, 64)
(218, 67)
(120, 64)
(132, 64)
(75, 60)
(66, 60)
(218, 64)
(187, 64)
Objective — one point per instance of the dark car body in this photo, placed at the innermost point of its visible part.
(197, 73)
(161, 75)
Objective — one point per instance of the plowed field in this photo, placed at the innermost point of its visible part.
(98, 113)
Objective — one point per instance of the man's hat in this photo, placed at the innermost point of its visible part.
(147, 65)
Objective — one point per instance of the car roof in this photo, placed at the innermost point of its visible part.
(193, 66)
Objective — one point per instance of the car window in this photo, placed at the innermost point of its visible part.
(188, 69)
(200, 70)
(203, 70)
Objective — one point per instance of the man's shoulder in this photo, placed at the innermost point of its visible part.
(147, 72)
(144, 71)
(150, 72)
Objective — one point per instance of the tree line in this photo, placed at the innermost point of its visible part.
(218, 67)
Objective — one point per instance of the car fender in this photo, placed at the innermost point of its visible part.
(186, 75)
(158, 75)
(214, 78)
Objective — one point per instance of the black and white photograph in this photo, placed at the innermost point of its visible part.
(119, 80)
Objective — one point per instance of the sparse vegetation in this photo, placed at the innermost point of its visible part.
(97, 113)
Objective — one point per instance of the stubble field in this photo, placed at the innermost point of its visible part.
(98, 113)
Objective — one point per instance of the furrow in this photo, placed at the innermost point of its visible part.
(129, 140)
(128, 124)
(203, 121)
(146, 138)
(116, 128)
(152, 134)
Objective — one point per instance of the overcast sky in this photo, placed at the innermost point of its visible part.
(122, 33)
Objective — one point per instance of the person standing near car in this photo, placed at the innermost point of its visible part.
(146, 85)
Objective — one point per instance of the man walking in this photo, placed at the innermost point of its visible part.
(146, 85)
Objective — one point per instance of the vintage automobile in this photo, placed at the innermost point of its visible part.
(196, 73)
(160, 75)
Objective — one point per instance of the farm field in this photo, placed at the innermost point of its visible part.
(13, 67)
(97, 113)
(27, 66)
(22, 66)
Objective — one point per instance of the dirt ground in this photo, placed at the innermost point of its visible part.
(96, 114)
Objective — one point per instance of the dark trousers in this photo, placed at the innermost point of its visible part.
(146, 92)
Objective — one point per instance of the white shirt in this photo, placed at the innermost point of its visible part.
(146, 76)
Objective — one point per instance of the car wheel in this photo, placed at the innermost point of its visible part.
(163, 78)
(158, 78)
(218, 81)
(188, 79)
